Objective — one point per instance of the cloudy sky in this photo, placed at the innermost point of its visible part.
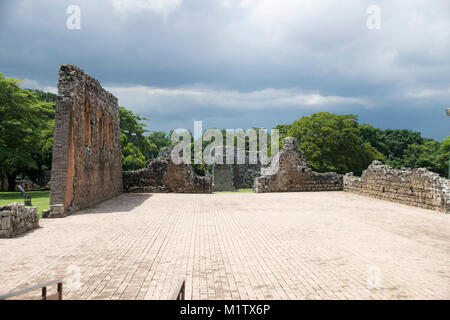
(243, 63)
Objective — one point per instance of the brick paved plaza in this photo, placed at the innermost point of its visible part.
(316, 245)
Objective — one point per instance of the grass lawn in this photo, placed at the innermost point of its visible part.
(40, 199)
(237, 191)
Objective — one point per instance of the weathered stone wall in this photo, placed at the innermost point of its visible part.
(87, 157)
(416, 187)
(162, 175)
(229, 177)
(244, 175)
(223, 177)
(290, 172)
(16, 219)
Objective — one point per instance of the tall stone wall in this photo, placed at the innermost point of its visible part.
(416, 187)
(290, 172)
(87, 157)
(163, 175)
(16, 219)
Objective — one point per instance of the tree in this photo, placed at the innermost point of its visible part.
(431, 155)
(136, 147)
(391, 142)
(333, 142)
(443, 157)
(23, 117)
(283, 131)
(132, 157)
(44, 96)
(132, 126)
(158, 140)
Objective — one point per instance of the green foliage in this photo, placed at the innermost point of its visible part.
(158, 140)
(132, 157)
(283, 131)
(431, 155)
(132, 126)
(333, 142)
(44, 96)
(407, 148)
(443, 156)
(24, 124)
(136, 146)
(47, 146)
(392, 143)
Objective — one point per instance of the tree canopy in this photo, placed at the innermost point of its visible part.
(25, 123)
(333, 142)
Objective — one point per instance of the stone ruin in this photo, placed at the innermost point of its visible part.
(87, 156)
(416, 187)
(230, 177)
(163, 175)
(87, 168)
(16, 219)
(289, 172)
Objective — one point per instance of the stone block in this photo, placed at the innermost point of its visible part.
(57, 211)
(6, 223)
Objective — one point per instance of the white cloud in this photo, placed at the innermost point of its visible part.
(33, 84)
(429, 93)
(172, 100)
(162, 7)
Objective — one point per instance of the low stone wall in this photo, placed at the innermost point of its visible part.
(162, 175)
(16, 219)
(289, 172)
(416, 187)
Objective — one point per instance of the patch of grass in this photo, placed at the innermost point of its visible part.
(237, 191)
(40, 199)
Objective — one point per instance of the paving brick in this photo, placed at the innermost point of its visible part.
(312, 245)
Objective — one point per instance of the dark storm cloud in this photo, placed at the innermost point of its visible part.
(244, 63)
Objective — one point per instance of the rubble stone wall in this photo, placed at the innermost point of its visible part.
(416, 187)
(16, 219)
(87, 156)
(162, 175)
(229, 177)
(244, 175)
(289, 172)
